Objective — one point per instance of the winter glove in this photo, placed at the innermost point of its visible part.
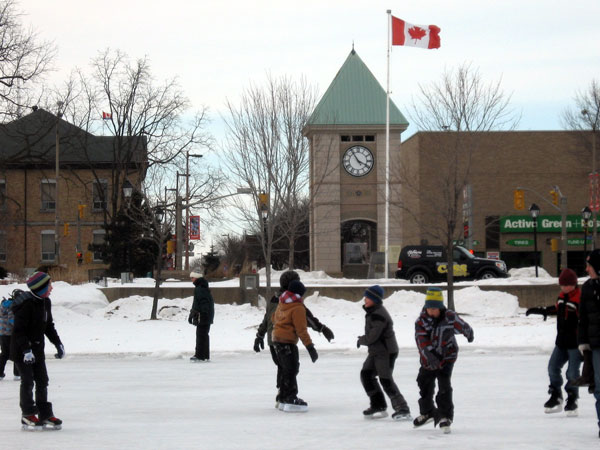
(259, 343)
(28, 357)
(583, 347)
(312, 352)
(470, 337)
(327, 333)
(360, 341)
(60, 351)
(191, 317)
(433, 360)
(540, 311)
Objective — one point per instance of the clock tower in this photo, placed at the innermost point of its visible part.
(347, 134)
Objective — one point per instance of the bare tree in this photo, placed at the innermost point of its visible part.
(265, 151)
(24, 59)
(463, 105)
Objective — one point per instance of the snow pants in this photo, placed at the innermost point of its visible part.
(289, 364)
(34, 374)
(4, 355)
(426, 381)
(276, 361)
(381, 366)
(558, 359)
(203, 341)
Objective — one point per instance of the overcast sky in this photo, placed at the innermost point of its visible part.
(544, 50)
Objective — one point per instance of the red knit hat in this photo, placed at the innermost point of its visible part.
(567, 278)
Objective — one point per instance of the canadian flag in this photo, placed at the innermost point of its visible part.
(423, 36)
(106, 115)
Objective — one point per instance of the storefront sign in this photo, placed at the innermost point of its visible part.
(546, 224)
(520, 242)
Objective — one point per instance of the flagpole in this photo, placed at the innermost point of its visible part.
(387, 153)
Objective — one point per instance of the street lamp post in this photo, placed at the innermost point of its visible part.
(586, 213)
(127, 193)
(187, 208)
(56, 170)
(592, 122)
(534, 210)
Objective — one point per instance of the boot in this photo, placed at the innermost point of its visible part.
(571, 406)
(554, 403)
(587, 373)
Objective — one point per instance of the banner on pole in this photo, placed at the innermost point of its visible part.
(194, 227)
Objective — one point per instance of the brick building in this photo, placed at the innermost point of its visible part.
(48, 220)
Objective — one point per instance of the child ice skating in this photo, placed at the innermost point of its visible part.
(7, 323)
(289, 324)
(380, 339)
(438, 350)
(565, 350)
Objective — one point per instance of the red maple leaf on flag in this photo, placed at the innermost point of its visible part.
(417, 33)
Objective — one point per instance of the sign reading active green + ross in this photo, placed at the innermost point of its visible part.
(546, 224)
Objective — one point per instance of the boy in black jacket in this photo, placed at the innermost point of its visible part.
(565, 349)
(266, 326)
(33, 320)
(380, 338)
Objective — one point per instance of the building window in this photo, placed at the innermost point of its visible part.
(48, 246)
(98, 244)
(370, 138)
(48, 195)
(100, 194)
(492, 232)
(357, 138)
(2, 246)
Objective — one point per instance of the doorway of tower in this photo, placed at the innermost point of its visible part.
(358, 239)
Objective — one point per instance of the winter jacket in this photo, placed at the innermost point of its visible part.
(266, 326)
(289, 323)
(567, 320)
(33, 320)
(7, 317)
(203, 304)
(589, 314)
(435, 337)
(379, 334)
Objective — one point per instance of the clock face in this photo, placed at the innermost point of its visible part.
(358, 161)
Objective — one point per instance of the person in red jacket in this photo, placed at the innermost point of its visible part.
(565, 350)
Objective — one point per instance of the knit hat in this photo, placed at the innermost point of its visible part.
(375, 293)
(38, 283)
(297, 287)
(594, 260)
(195, 274)
(567, 278)
(286, 278)
(434, 298)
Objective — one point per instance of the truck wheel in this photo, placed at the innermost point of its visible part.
(419, 277)
(487, 274)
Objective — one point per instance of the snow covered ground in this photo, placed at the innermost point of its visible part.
(127, 382)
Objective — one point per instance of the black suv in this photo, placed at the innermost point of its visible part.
(424, 263)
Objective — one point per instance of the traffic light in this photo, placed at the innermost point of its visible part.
(79, 258)
(263, 200)
(171, 246)
(81, 209)
(554, 196)
(519, 198)
(66, 229)
(554, 245)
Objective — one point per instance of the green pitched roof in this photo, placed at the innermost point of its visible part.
(355, 97)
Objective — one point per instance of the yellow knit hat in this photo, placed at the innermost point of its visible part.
(434, 298)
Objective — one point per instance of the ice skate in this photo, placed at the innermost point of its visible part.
(31, 423)
(445, 425)
(554, 403)
(293, 405)
(195, 359)
(52, 423)
(1, 376)
(17, 378)
(375, 412)
(402, 414)
(571, 406)
(422, 420)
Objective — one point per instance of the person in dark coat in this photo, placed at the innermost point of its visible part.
(380, 339)
(201, 316)
(438, 350)
(7, 323)
(565, 350)
(266, 326)
(33, 320)
(589, 320)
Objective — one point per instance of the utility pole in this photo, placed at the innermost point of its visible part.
(187, 207)
(56, 170)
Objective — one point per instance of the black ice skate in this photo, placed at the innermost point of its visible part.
(293, 405)
(375, 412)
(52, 423)
(445, 425)
(571, 406)
(422, 420)
(402, 414)
(196, 359)
(31, 423)
(554, 403)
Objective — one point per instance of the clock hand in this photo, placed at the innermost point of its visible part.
(361, 164)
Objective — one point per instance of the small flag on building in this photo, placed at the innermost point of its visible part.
(106, 116)
(407, 34)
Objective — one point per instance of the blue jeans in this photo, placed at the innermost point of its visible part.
(596, 362)
(558, 359)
